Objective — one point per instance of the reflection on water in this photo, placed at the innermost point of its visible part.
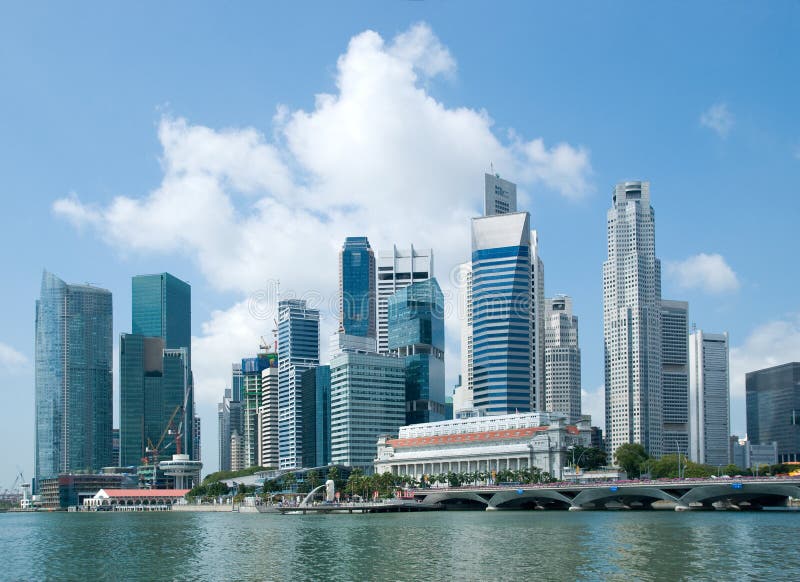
(410, 546)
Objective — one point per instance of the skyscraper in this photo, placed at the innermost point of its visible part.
(416, 335)
(298, 350)
(73, 355)
(316, 384)
(773, 409)
(537, 325)
(398, 268)
(502, 327)
(632, 322)
(252, 383)
(709, 398)
(675, 376)
(500, 196)
(562, 359)
(224, 431)
(156, 383)
(357, 287)
(268, 446)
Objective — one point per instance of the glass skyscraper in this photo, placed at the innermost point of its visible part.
(709, 398)
(357, 298)
(73, 377)
(156, 384)
(675, 377)
(773, 409)
(416, 334)
(317, 416)
(298, 350)
(502, 323)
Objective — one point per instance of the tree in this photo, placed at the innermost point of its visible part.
(630, 458)
(312, 478)
(333, 475)
(589, 458)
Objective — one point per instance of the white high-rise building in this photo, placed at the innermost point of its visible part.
(398, 268)
(709, 398)
(632, 322)
(462, 397)
(268, 429)
(562, 359)
(675, 376)
(537, 325)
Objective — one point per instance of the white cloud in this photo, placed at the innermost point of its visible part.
(10, 359)
(770, 344)
(718, 118)
(379, 157)
(707, 272)
(594, 403)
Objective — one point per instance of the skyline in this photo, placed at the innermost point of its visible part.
(719, 139)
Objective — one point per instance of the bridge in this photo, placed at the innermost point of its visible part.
(682, 494)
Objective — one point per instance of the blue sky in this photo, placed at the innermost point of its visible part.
(191, 138)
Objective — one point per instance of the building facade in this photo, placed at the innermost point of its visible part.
(675, 376)
(224, 431)
(483, 444)
(368, 399)
(709, 398)
(502, 331)
(463, 395)
(298, 350)
(416, 335)
(632, 322)
(562, 359)
(537, 325)
(73, 378)
(268, 424)
(500, 196)
(316, 384)
(773, 408)
(252, 369)
(357, 294)
(398, 268)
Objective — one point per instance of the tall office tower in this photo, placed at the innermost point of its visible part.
(537, 325)
(73, 332)
(316, 383)
(773, 409)
(562, 359)
(500, 196)
(367, 400)
(416, 335)
(465, 315)
(709, 398)
(398, 268)
(252, 369)
(502, 329)
(196, 434)
(237, 382)
(237, 452)
(632, 322)
(357, 287)
(268, 419)
(298, 350)
(156, 383)
(224, 431)
(675, 377)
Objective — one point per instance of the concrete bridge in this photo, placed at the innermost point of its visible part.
(682, 494)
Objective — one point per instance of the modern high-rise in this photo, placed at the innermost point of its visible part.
(316, 384)
(224, 431)
(298, 350)
(773, 409)
(156, 384)
(368, 399)
(230, 416)
(562, 359)
(502, 324)
(632, 322)
(416, 335)
(465, 316)
(500, 196)
(252, 383)
(709, 398)
(398, 268)
(357, 297)
(268, 431)
(675, 376)
(537, 325)
(73, 363)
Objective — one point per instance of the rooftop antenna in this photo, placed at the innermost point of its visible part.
(491, 166)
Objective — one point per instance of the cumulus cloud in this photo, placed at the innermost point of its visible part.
(706, 272)
(718, 118)
(10, 359)
(378, 157)
(773, 343)
(594, 403)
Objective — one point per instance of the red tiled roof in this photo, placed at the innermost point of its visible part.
(146, 492)
(468, 437)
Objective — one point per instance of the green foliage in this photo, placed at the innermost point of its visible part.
(667, 468)
(209, 491)
(630, 457)
(225, 475)
(589, 458)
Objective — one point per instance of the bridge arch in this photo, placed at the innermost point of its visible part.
(605, 494)
(513, 499)
(747, 492)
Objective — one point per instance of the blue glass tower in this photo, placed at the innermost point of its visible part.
(162, 307)
(357, 299)
(416, 333)
(501, 314)
(298, 350)
(73, 378)
(317, 416)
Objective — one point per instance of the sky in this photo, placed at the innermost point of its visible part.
(236, 147)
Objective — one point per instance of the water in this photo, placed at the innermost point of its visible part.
(540, 545)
